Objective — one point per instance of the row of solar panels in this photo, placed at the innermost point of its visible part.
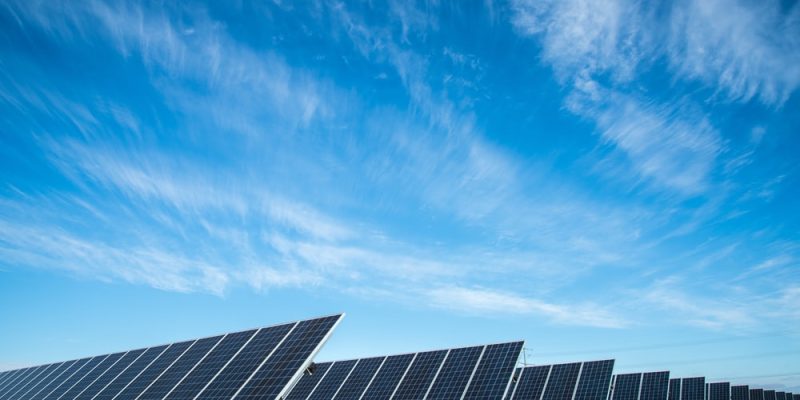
(254, 364)
(276, 363)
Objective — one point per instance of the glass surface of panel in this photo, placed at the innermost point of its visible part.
(72, 366)
(455, 373)
(655, 386)
(562, 380)
(333, 380)
(92, 375)
(277, 372)
(626, 387)
(167, 381)
(23, 387)
(740, 392)
(388, 377)
(110, 374)
(769, 395)
(719, 391)
(72, 380)
(495, 368)
(242, 366)
(756, 394)
(358, 380)
(41, 384)
(22, 376)
(530, 383)
(420, 376)
(693, 388)
(595, 379)
(213, 362)
(121, 381)
(152, 371)
(308, 382)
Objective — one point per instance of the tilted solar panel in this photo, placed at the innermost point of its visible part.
(387, 378)
(740, 392)
(561, 382)
(419, 377)
(769, 395)
(675, 389)
(594, 381)
(258, 363)
(495, 369)
(655, 386)
(333, 380)
(453, 378)
(359, 378)
(306, 385)
(530, 382)
(780, 395)
(719, 391)
(626, 387)
(693, 388)
(756, 394)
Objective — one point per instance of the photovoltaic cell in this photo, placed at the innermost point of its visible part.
(308, 382)
(769, 395)
(740, 392)
(595, 379)
(92, 375)
(110, 374)
(358, 380)
(8, 377)
(242, 366)
(561, 383)
(780, 395)
(286, 362)
(626, 387)
(203, 372)
(675, 389)
(719, 391)
(66, 370)
(146, 377)
(29, 383)
(126, 377)
(24, 375)
(164, 383)
(388, 377)
(693, 388)
(756, 394)
(72, 380)
(655, 386)
(495, 368)
(455, 373)
(530, 383)
(332, 380)
(420, 376)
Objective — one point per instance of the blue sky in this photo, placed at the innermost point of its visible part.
(603, 179)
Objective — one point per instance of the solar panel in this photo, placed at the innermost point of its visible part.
(740, 392)
(359, 378)
(594, 381)
(561, 382)
(756, 394)
(655, 386)
(530, 382)
(308, 382)
(626, 387)
(495, 369)
(333, 380)
(454, 375)
(769, 395)
(265, 361)
(780, 395)
(795, 396)
(719, 391)
(675, 389)
(693, 388)
(420, 376)
(388, 377)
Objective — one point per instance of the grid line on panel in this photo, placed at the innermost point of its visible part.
(369, 384)
(25, 374)
(517, 377)
(655, 386)
(187, 386)
(102, 382)
(436, 375)
(10, 376)
(40, 375)
(530, 384)
(355, 385)
(168, 379)
(264, 361)
(626, 387)
(404, 375)
(693, 388)
(562, 380)
(131, 374)
(75, 388)
(154, 370)
(387, 377)
(64, 384)
(675, 389)
(280, 369)
(595, 380)
(494, 371)
(719, 391)
(575, 390)
(216, 373)
(245, 363)
(420, 375)
(345, 380)
(333, 379)
(67, 370)
(33, 387)
(451, 381)
(309, 382)
(92, 376)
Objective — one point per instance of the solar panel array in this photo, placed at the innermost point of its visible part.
(740, 392)
(573, 381)
(255, 364)
(480, 372)
(641, 386)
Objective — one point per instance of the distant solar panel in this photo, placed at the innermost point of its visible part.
(561, 382)
(693, 388)
(594, 381)
(795, 396)
(258, 363)
(780, 395)
(655, 386)
(626, 387)
(310, 380)
(756, 394)
(769, 395)
(740, 392)
(719, 391)
(440, 374)
(675, 389)
(589, 380)
(530, 382)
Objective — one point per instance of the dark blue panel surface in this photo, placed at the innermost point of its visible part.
(454, 376)
(161, 386)
(388, 377)
(67, 370)
(22, 376)
(332, 380)
(693, 388)
(141, 382)
(202, 374)
(110, 374)
(626, 387)
(33, 379)
(655, 386)
(562, 381)
(358, 380)
(245, 363)
(756, 394)
(308, 382)
(675, 389)
(276, 373)
(420, 376)
(126, 377)
(72, 380)
(740, 392)
(530, 382)
(595, 379)
(92, 375)
(719, 391)
(494, 372)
